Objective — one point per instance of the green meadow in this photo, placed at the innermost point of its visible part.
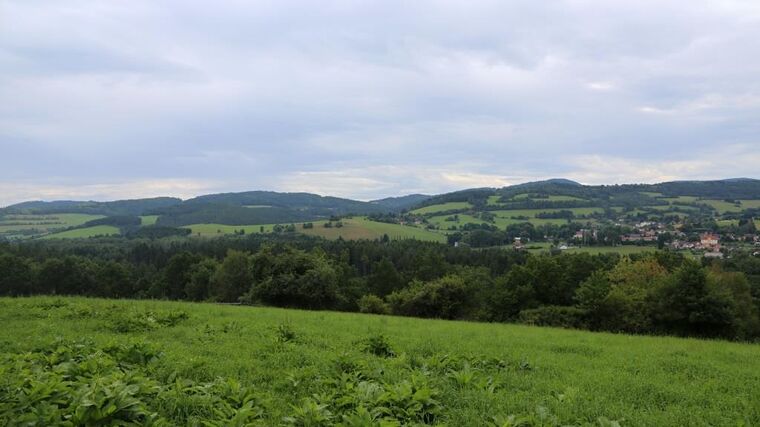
(723, 206)
(442, 207)
(148, 219)
(42, 224)
(113, 362)
(352, 229)
(84, 233)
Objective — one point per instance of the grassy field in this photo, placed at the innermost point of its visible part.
(442, 207)
(550, 198)
(531, 213)
(229, 365)
(730, 222)
(507, 217)
(361, 228)
(148, 219)
(352, 229)
(493, 201)
(724, 207)
(41, 224)
(83, 233)
(680, 199)
(210, 230)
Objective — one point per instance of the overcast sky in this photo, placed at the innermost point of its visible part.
(120, 99)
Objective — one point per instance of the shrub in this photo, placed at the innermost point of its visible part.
(378, 345)
(373, 304)
(285, 333)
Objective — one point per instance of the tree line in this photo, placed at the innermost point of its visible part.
(657, 293)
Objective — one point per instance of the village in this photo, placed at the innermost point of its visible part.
(708, 244)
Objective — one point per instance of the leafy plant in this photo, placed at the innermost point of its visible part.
(378, 345)
(284, 332)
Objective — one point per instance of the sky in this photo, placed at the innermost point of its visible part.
(365, 99)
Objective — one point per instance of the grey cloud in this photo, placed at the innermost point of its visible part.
(280, 94)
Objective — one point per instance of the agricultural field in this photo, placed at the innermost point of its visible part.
(84, 233)
(97, 361)
(723, 206)
(27, 225)
(731, 222)
(531, 213)
(442, 207)
(148, 219)
(211, 230)
(493, 201)
(361, 228)
(508, 217)
(680, 199)
(549, 198)
(352, 229)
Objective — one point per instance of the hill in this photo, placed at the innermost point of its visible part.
(187, 363)
(118, 207)
(401, 202)
(554, 209)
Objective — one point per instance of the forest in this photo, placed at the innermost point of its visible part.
(650, 293)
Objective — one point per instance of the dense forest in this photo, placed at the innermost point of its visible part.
(658, 292)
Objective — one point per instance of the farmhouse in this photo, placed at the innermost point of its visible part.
(709, 240)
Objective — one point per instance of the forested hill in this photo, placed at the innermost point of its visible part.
(118, 207)
(602, 195)
(268, 207)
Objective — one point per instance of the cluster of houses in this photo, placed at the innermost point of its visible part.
(644, 232)
(708, 242)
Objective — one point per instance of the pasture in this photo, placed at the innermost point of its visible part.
(35, 225)
(85, 233)
(192, 364)
(723, 206)
(442, 207)
(353, 229)
(148, 219)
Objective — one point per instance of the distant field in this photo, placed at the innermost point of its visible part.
(680, 199)
(149, 219)
(650, 193)
(361, 228)
(729, 222)
(83, 233)
(531, 213)
(303, 364)
(352, 229)
(671, 208)
(493, 201)
(724, 207)
(550, 198)
(208, 230)
(442, 207)
(505, 217)
(41, 224)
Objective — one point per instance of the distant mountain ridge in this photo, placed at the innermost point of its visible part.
(268, 207)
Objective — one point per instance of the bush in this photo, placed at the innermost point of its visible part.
(445, 298)
(378, 345)
(373, 304)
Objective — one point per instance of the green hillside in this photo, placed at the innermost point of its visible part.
(185, 364)
(86, 232)
(350, 229)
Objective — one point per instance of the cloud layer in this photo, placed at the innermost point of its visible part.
(369, 99)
